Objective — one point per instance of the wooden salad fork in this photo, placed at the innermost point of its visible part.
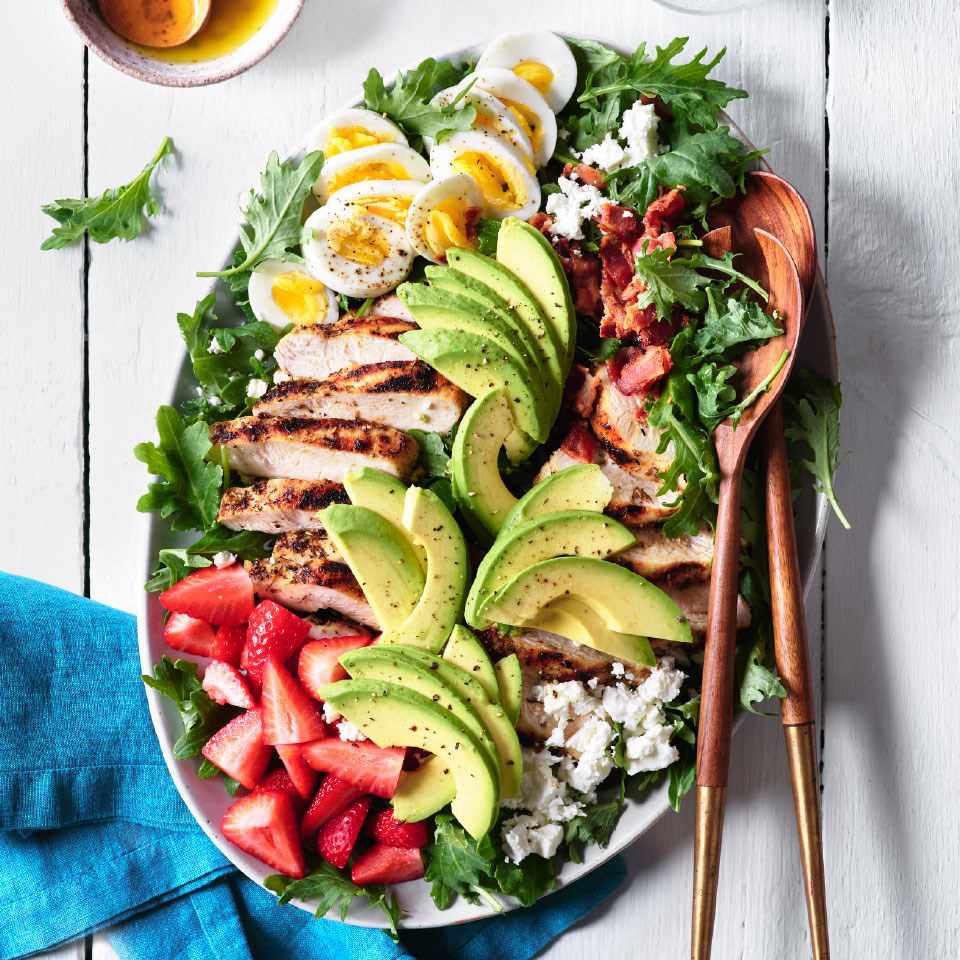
(775, 270)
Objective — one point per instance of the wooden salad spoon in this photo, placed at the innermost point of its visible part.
(776, 271)
(775, 205)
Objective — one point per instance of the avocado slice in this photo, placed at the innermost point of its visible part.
(510, 681)
(577, 533)
(465, 651)
(525, 251)
(382, 663)
(430, 524)
(456, 281)
(581, 487)
(507, 284)
(393, 716)
(625, 601)
(380, 557)
(476, 364)
(491, 715)
(424, 791)
(383, 494)
(572, 618)
(475, 471)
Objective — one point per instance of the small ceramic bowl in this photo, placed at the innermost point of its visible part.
(124, 56)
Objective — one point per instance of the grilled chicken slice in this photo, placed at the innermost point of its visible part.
(310, 586)
(330, 625)
(619, 423)
(299, 546)
(273, 506)
(313, 449)
(678, 560)
(314, 352)
(694, 600)
(390, 305)
(406, 394)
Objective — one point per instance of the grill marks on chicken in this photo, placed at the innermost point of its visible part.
(675, 560)
(276, 505)
(405, 394)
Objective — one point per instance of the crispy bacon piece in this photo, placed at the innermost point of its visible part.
(580, 443)
(585, 273)
(647, 243)
(589, 175)
(620, 223)
(542, 221)
(663, 212)
(617, 265)
(636, 370)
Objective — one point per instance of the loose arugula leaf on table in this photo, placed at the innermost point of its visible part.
(187, 491)
(407, 101)
(457, 865)
(117, 214)
(813, 426)
(272, 217)
(332, 889)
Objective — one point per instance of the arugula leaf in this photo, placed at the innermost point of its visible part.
(757, 681)
(594, 826)
(187, 492)
(813, 425)
(457, 865)
(173, 566)
(488, 229)
(591, 346)
(742, 323)
(681, 777)
(334, 890)
(596, 55)
(528, 880)
(246, 544)
(117, 213)
(407, 102)
(434, 454)
(179, 681)
(273, 216)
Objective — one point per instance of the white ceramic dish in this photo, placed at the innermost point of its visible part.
(207, 799)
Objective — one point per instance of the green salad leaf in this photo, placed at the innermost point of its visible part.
(757, 680)
(457, 865)
(187, 491)
(333, 890)
(596, 825)
(407, 101)
(117, 214)
(528, 880)
(488, 230)
(172, 566)
(272, 217)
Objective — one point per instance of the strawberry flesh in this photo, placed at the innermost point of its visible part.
(383, 828)
(272, 633)
(188, 634)
(238, 749)
(228, 643)
(217, 595)
(289, 714)
(264, 824)
(385, 864)
(319, 662)
(338, 835)
(225, 684)
(280, 780)
(371, 768)
(333, 797)
(303, 776)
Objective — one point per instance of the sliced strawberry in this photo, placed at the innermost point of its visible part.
(272, 632)
(319, 662)
(384, 864)
(188, 634)
(333, 797)
(338, 836)
(303, 776)
(289, 715)
(265, 825)
(228, 643)
(215, 594)
(238, 749)
(373, 769)
(225, 684)
(280, 780)
(383, 828)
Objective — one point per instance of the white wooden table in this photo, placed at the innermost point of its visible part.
(858, 102)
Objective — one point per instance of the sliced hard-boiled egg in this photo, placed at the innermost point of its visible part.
(493, 117)
(382, 198)
(444, 214)
(282, 293)
(360, 255)
(525, 104)
(352, 129)
(385, 161)
(502, 173)
(542, 59)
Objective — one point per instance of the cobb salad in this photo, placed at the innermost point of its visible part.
(449, 459)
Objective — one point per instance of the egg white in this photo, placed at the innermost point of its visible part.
(355, 198)
(431, 195)
(264, 305)
(492, 117)
(355, 118)
(388, 161)
(544, 48)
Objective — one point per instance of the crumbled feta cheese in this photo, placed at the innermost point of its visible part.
(607, 155)
(199, 391)
(650, 750)
(214, 346)
(592, 683)
(258, 354)
(524, 835)
(638, 127)
(331, 714)
(256, 388)
(348, 731)
(618, 669)
(280, 376)
(571, 206)
(224, 559)
(595, 761)
(214, 400)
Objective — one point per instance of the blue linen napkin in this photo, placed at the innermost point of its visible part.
(93, 834)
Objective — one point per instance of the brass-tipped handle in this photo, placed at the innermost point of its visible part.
(711, 802)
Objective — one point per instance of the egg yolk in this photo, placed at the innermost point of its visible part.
(446, 227)
(538, 74)
(359, 241)
(297, 295)
(497, 182)
(388, 206)
(527, 120)
(372, 170)
(343, 139)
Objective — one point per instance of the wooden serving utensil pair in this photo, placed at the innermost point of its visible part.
(773, 231)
